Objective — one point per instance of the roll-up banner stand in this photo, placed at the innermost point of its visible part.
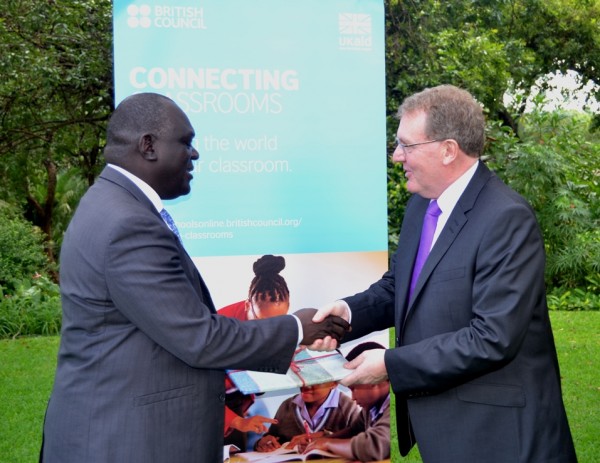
(287, 99)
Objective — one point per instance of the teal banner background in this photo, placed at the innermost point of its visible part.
(288, 102)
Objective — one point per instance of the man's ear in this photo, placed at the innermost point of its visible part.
(146, 146)
(451, 150)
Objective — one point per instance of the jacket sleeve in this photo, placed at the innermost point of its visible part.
(475, 310)
(146, 281)
(374, 442)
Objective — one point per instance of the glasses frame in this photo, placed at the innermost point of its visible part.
(399, 144)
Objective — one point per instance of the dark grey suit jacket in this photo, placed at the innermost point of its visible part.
(474, 370)
(140, 367)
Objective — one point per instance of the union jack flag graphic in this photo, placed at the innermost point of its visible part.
(355, 23)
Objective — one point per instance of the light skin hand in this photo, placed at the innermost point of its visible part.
(325, 344)
(369, 368)
(333, 308)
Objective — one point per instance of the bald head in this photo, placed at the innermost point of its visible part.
(136, 115)
(151, 137)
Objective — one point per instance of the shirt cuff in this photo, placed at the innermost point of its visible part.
(300, 330)
(343, 302)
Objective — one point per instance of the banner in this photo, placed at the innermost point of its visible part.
(287, 99)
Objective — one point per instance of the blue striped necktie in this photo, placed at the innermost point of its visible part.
(170, 222)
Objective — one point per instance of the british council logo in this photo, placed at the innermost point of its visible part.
(139, 16)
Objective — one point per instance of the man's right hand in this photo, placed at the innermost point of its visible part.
(338, 308)
(332, 327)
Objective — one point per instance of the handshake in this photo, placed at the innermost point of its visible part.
(333, 326)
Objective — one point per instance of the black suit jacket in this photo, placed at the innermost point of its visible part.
(140, 368)
(474, 370)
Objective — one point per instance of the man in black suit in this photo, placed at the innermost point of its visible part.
(474, 368)
(140, 375)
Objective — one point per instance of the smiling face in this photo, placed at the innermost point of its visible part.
(423, 163)
(174, 155)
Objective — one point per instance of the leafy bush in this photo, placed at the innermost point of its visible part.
(584, 298)
(397, 194)
(22, 246)
(34, 308)
(556, 167)
(29, 301)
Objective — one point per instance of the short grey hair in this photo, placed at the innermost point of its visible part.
(451, 113)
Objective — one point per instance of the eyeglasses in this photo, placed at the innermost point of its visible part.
(401, 145)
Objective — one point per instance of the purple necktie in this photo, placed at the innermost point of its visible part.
(170, 222)
(429, 224)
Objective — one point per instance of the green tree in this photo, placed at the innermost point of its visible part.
(556, 165)
(56, 94)
(489, 47)
(55, 97)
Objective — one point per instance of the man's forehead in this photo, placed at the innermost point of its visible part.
(412, 122)
(180, 122)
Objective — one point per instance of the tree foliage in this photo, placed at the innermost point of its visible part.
(22, 258)
(55, 96)
(495, 47)
(555, 164)
(489, 47)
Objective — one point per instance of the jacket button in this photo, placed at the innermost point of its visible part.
(222, 398)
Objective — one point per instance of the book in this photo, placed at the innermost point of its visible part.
(229, 450)
(307, 368)
(284, 453)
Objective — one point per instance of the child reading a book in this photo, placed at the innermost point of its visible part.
(368, 437)
(317, 410)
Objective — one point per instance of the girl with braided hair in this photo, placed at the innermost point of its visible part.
(268, 296)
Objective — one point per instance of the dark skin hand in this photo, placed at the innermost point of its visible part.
(332, 326)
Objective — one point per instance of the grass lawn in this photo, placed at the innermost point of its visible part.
(27, 371)
(26, 374)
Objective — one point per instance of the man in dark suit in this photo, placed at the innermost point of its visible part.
(140, 375)
(474, 368)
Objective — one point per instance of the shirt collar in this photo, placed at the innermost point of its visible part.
(451, 195)
(332, 401)
(146, 189)
(377, 412)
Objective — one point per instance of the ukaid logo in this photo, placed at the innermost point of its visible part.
(165, 17)
(355, 31)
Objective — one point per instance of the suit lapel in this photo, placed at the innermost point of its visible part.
(454, 225)
(190, 268)
(408, 245)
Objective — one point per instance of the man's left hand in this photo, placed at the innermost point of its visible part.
(369, 368)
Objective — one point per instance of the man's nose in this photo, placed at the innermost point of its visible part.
(398, 154)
